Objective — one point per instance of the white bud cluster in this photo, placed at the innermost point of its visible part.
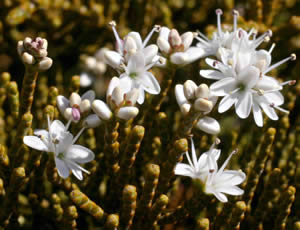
(34, 52)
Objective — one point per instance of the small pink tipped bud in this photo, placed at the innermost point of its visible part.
(75, 113)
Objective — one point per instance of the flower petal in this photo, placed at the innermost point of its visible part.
(244, 104)
(179, 94)
(136, 63)
(257, 114)
(101, 109)
(212, 74)
(227, 102)
(269, 111)
(114, 82)
(231, 190)
(137, 38)
(79, 154)
(184, 170)
(275, 98)
(149, 53)
(62, 168)
(149, 83)
(89, 95)
(231, 177)
(223, 86)
(35, 143)
(112, 58)
(62, 103)
(141, 98)
(125, 83)
(249, 76)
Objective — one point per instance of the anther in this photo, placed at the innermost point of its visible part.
(112, 24)
(293, 57)
(219, 11)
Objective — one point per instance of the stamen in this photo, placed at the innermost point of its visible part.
(68, 124)
(152, 64)
(156, 28)
(202, 35)
(291, 82)
(261, 38)
(189, 160)
(219, 12)
(227, 161)
(76, 165)
(292, 57)
(49, 123)
(118, 39)
(252, 31)
(272, 47)
(279, 108)
(202, 41)
(235, 18)
(78, 135)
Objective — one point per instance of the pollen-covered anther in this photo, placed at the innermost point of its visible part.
(293, 57)
(219, 11)
(112, 23)
(235, 12)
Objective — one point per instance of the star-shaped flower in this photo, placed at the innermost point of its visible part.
(67, 155)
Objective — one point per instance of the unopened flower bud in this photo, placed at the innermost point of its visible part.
(92, 121)
(163, 45)
(75, 99)
(189, 88)
(68, 113)
(90, 62)
(132, 96)
(127, 113)
(85, 105)
(113, 59)
(185, 108)
(202, 91)
(130, 44)
(27, 58)
(45, 63)
(174, 38)
(209, 125)
(187, 39)
(117, 96)
(203, 105)
(101, 109)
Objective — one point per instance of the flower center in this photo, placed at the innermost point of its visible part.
(60, 156)
(242, 86)
(133, 75)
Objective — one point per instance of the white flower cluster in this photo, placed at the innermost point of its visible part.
(242, 78)
(242, 71)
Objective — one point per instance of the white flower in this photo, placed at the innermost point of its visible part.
(61, 142)
(178, 47)
(131, 44)
(137, 76)
(73, 109)
(223, 181)
(226, 39)
(122, 104)
(244, 83)
(199, 169)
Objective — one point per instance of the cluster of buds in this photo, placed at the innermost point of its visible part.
(178, 47)
(192, 98)
(76, 106)
(34, 52)
(190, 95)
(120, 104)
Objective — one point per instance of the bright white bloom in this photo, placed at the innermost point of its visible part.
(93, 66)
(58, 140)
(216, 182)
(131, 44)
(226, 39)
(73, 109)
(122, 104)
(199, 97)
(223, 181)
(243, 82)
(137, 76)
(178, 47)
(199, 169)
